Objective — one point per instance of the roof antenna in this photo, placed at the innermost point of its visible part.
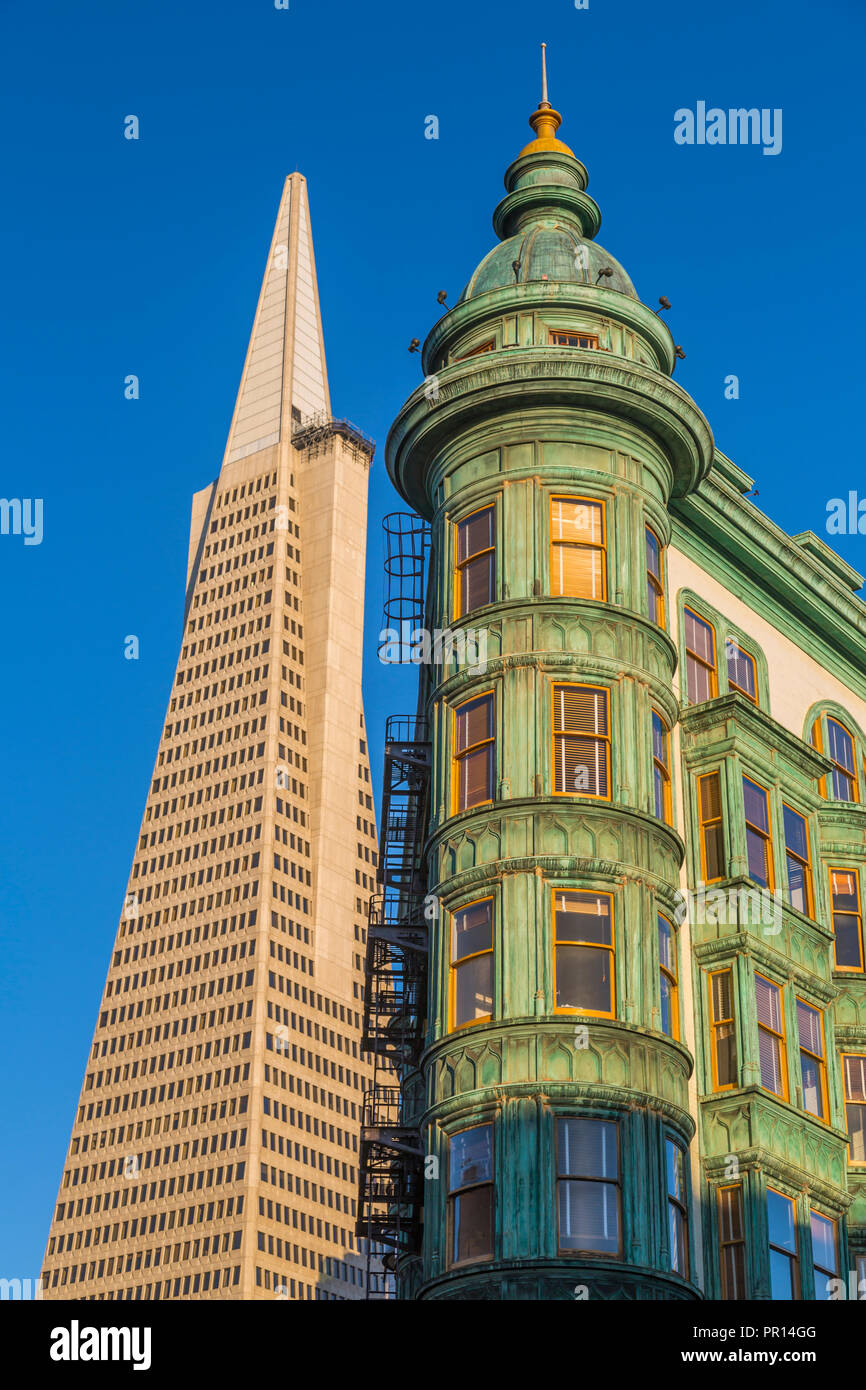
(544, 100)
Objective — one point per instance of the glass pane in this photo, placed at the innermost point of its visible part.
(660, 794)
(769, 1002)
(755, 802)
(809, 1028)
(580, 709)
(472, 1228)
(813, 1099)
(842, 785)
(588, 1216)
(734, 1272)
(577, 572)
(770, 1053)
(583, 917)
(653, 555)
(840, 745)
(731, 1213)
(855, 1077)
(476, 584)
(847, 931)
(475, 777)
(660, 739)
(723, 995)
(668, 1021)
(796, 838)
(780, 1216)
(473, 929)
(584, 978)
(471, 1156)
(846, 898)
(699, 637)
(797, 884)
(474, 989)
(757, 850)
(856, 1132)
(676, 1171)
(581, 765)
(726, 1055)
(823, 1244)
(667, 945)
(781, 1275)
(679, 1253)
(576, 520)
(698, 681)
(711, 797)
(714, 852)
(741, 669)
(586, 1148)
(474, 534)
(474, 722)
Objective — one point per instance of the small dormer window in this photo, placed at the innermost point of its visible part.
(578, 340)
(473, 352)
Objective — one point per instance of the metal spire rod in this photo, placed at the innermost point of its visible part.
(543, 73)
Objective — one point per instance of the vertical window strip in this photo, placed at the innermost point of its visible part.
(661, 768)
(678, 1213)
(732, 1242)
(668, 988)
(798, 860)
(470, 1195)
(813, 1071)
(784, 1254)
(655, 577)
(711, 829)
(771, 1036)
(854, 1079)
(759, 845)
(825, 1254)
(722, 1025)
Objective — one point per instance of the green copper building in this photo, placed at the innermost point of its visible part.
(618, 962)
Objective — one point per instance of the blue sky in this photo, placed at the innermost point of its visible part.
(145, 257)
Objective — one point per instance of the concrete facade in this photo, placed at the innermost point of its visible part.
(214, 1148)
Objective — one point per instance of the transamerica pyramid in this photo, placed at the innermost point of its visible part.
(214, 1147)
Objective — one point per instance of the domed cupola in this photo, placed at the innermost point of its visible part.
(547, 220)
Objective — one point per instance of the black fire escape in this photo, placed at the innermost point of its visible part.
(390, 1160)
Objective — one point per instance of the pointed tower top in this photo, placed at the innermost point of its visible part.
(284, 379)
(545, 121)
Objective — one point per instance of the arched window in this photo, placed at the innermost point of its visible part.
(832, 732)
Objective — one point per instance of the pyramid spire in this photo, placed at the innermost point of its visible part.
(284, 375)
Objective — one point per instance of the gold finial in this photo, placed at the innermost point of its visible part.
(545, 121)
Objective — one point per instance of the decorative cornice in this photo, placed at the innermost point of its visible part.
(525, 378)
(779, 965)
(799, 1179)
(548, 294)
(616, 1098)
(763, 728)
(553, 865)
